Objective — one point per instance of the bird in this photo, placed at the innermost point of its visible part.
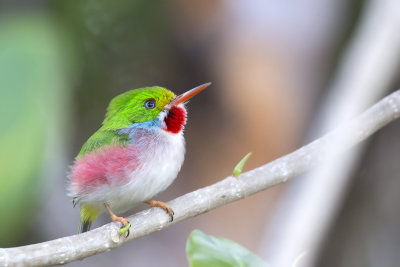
(135, 154)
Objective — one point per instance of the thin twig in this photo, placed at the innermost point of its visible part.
(71, 248)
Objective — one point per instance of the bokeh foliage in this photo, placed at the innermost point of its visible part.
(35, 61)
(205, 250)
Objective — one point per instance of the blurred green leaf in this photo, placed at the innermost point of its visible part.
(33, 89)
(205, 250)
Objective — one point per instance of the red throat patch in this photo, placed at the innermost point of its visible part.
(175, 120)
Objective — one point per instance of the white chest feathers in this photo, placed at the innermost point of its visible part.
(159, 167)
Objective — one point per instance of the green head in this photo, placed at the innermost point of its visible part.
(139, 105)
(142, 105)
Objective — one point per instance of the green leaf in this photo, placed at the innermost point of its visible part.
(239, 167)
(34, 89)
(205, 250)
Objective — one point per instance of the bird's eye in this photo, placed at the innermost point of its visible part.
(150, 103)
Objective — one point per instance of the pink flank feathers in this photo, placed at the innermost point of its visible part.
(106, 166)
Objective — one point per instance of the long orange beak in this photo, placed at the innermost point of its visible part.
(189, 94)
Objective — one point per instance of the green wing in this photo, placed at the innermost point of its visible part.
(102, 138)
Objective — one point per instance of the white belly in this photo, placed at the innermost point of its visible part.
(159, 168)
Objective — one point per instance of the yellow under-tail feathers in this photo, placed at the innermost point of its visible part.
(88, 215)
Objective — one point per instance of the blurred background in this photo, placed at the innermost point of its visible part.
(271, 64)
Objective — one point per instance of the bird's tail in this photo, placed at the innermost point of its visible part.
(88, 215)
(84, 226)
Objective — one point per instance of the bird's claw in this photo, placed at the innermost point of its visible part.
(170, 212)
(164, 206)
(125, 230)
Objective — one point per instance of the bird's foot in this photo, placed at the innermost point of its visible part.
(114, 218)
(125, 224)
(164, 206)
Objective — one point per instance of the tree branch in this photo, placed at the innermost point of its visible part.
(368, 64)
(71, 248)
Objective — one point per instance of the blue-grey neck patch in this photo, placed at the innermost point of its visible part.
(137, 131)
